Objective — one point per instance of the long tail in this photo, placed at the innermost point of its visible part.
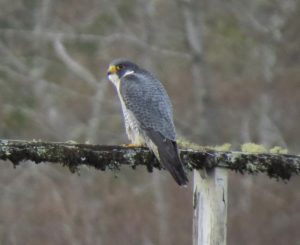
(171, 161)
(168, 155)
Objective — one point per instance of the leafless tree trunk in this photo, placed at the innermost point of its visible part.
(270, 33)
(157, 179)
(193, 17)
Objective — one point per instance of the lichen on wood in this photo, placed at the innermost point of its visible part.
(72, 155)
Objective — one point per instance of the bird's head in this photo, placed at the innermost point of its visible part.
(120, 68)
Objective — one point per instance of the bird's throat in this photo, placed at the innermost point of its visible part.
(115, 80)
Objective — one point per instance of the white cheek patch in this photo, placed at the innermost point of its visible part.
(114, 78)
(128, 73)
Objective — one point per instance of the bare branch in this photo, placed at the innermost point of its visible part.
(91, 38)
(10, 58)
(97, 104)
(278, 166)
(74, 66)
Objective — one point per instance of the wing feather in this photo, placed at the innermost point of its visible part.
(168, 156)
(147, 99)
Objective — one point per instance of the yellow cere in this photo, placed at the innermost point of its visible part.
(112, 69)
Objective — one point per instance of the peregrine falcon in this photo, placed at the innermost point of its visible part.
(147, 112)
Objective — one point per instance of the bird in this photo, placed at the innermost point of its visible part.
(148, 114)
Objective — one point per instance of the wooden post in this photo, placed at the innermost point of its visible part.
(210, 207)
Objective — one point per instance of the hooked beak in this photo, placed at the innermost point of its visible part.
(111, 70)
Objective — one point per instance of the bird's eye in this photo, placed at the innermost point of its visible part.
(120, 67)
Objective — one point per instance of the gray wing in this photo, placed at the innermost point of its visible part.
(147, 99)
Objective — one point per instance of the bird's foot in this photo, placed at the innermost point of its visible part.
(132, 145)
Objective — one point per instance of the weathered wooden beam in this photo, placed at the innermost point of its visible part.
(210, 207)
(279, 166)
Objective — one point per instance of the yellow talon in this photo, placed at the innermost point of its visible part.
(132, 145)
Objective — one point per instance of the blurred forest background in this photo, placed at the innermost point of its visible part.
(232, 71)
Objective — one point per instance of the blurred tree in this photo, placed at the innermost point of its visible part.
(231, 69)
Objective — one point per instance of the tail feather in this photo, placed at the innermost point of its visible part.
(168, 155)
(173, 164)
